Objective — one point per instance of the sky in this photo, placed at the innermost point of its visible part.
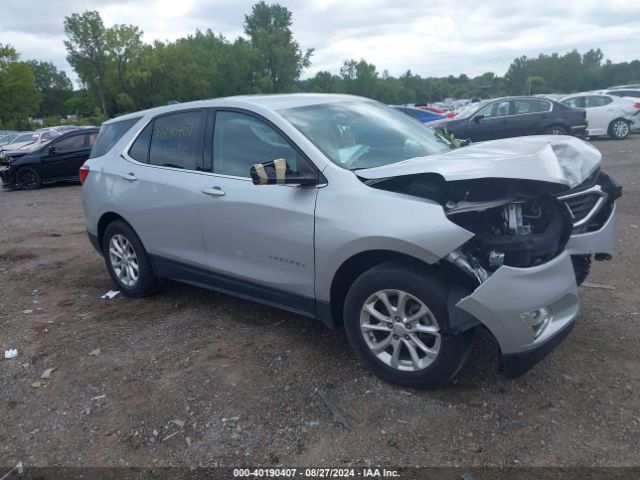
(429, 37)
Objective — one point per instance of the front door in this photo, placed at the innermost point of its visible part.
(494, 122)
(63, 158)
(259, 238)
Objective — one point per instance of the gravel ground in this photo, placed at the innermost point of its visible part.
(191, 377)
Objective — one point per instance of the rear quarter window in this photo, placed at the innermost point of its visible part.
(109, 136)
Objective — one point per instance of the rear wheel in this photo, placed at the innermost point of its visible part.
(127, 261)
(28, 178)
(396, 318)
(555, 130)
(619, 129)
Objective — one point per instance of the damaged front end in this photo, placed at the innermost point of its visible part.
(516, 223)
(516, 277)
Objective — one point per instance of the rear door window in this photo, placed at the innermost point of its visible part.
(177, 140)
(109, 136)
(526, 106)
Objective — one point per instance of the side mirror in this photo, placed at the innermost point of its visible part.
(52, 150)
(477, 118)
(275, 173)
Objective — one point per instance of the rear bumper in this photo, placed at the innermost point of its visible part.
(500, 302)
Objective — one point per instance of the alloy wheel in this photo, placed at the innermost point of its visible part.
(620, 129)
(400, 330)
(26, 178)
(124, 260)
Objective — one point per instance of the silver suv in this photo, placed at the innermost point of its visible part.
(345, 210)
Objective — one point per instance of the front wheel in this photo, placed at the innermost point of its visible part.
(28, 178)
(581, 267)
(127, 261)
(395, 317)
(619, 129)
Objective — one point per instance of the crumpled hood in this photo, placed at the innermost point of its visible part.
(546, 158)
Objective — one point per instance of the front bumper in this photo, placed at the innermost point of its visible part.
(7, 175)
(500, 301)
(593, 206)
(600, 241)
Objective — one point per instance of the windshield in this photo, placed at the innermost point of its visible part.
(362, 134)
(27, 137)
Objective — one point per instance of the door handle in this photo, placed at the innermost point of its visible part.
(214, 191)
(129, 177)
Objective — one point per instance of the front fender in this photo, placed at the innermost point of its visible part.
(356, 218)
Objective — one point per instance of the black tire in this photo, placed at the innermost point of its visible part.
(28, 178)
(619, 129)
(556, 130)
(430, 290)
(581, 267)
(147, 282)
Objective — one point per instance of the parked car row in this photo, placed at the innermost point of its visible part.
(614, 112)
(46, 156)
(513, 117)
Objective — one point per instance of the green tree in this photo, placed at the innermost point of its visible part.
(279, 57)
(360, 78)
(54, 86)
(86, 45)
(19, 96)
(124, 47)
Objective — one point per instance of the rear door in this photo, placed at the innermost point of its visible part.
(63, 158)
(259, 238)
(160, 182)
(528, 116)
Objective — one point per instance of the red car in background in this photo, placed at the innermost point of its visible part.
(437, 110)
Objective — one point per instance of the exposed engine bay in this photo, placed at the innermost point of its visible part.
(517, 223)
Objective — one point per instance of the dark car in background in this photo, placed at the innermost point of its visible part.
(58, 160)
(424, 116)
(515, 117)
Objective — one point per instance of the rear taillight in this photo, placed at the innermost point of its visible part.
(636, 105)
(84, 173)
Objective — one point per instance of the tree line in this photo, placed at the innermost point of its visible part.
(120, 73)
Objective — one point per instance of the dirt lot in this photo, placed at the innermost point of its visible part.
(191, 377)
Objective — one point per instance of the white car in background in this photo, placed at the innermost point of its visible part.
(606, 114)
(628, 92)
(30, 140)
